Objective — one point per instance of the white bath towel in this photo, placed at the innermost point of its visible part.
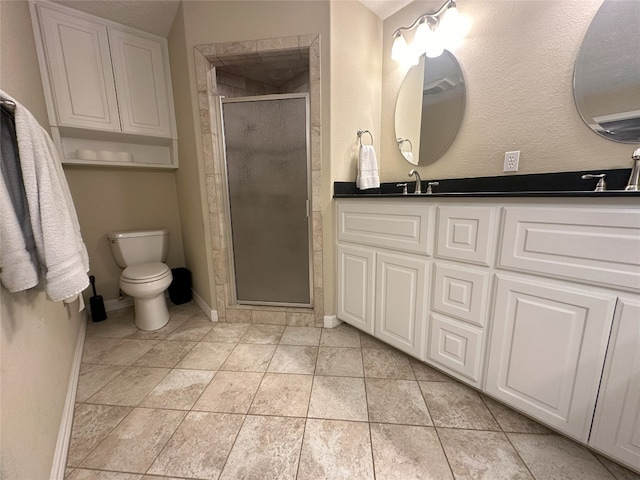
(368, 175)
(61, 252)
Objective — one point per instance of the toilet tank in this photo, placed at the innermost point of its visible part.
(139, 246)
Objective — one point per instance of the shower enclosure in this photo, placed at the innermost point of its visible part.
(266, 141)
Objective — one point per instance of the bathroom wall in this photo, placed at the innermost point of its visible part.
(37, 337)
(518, 64)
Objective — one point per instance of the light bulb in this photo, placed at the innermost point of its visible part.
(450, 21)
(399, 49)
(421, 39)
(436, 45)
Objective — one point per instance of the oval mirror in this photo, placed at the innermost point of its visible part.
(606, 79)
(429, 108)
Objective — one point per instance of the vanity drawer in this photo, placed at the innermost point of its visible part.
(460, 292)
(599, 246)
(465, 233)
(398, 226)
(455, 347)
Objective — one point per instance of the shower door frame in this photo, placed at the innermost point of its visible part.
(233, 292)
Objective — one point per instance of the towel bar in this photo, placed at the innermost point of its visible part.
(362, 132)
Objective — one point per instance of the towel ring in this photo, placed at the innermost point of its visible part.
(362, 132)
(401, 142)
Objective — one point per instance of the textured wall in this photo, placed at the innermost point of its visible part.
(518, 64)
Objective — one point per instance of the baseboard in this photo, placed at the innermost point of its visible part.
(117, 304)
(331, 321)
(66, 422)
(206, 309)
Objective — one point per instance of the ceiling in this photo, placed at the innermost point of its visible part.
(156, 16)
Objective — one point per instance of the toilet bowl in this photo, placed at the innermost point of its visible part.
(146, 283)
(145, 278)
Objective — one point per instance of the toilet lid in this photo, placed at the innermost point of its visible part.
(145, 272)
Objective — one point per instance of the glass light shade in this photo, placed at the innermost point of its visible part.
(399, 48)
(421, 39)
(436, 45)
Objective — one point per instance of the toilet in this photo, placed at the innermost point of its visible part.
(145, 277)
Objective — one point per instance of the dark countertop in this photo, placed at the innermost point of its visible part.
(564, 184)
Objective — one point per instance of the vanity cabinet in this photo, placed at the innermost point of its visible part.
(547, 350)
(107, 87)
(529, 300)
(616, 425)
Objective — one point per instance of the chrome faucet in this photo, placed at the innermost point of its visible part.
(418, 189)
(634, 178)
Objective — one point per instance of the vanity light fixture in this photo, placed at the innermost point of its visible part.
(433, 33)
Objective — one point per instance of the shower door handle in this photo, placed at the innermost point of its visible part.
(307, 206)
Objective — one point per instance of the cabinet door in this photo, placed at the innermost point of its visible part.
(401, 283)
(547, 351)
(616, 428)
(356, 279)
(140, 68)
(77, 54)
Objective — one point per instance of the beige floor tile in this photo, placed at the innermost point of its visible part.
(136, 441)
(475, 455)
(367, 341)
(229, 392)
(284, 395)
(456, 406)
(206, 356)
(249, 358)
(193, 330)
(423, 371)
(179, 390)
(114, 316)
(157, 477)
(512, 421)
(618, 471)
(263, 334)
(338, 398)
(130, 387)
(112, 351)
(552, 457)
(294, 359)
(161, 333)
(266, 448)
(165, 354)
(336, 450)
(396, 401)
(340, 362)
(115, 327)
(93, 377)
(402, 452)
(341, 336)
(199, 447)
(306, 336)
(392, 364)
(227, 333)
(186, 311)
(91, 425)
(83, 474)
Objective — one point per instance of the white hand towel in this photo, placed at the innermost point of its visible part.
(60, 250)
(368, 175)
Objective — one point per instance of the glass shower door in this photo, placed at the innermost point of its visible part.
(266, 144)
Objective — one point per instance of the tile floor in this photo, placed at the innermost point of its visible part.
(199, 400)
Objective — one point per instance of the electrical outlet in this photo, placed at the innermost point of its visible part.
(511, 160)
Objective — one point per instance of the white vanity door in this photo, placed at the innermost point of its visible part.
(140, 67)
(77, 55)
(616, 427)
(547, 350)
(401, 300)
(356, 280)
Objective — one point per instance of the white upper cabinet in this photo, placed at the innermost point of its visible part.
(79, 64)
(140, 72)
(107, 88)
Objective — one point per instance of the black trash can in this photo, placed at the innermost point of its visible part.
(180, 288)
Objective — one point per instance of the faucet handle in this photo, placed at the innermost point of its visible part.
(404, 190)
(601, 186)
(431, 184)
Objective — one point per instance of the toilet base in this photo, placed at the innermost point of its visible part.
(151, 313)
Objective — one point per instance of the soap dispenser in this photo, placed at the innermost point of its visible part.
(634, 178)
